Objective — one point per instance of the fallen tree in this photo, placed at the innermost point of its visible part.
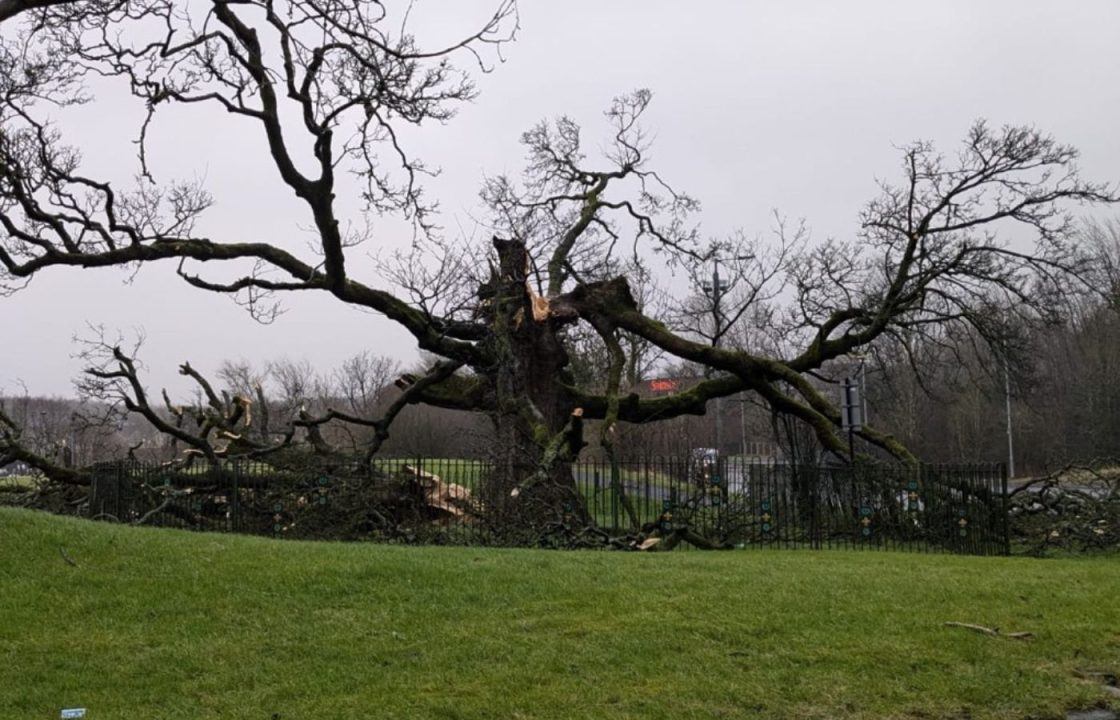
(328, 85)
(1075, 509)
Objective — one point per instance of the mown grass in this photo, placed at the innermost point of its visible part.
(453, 470)
(18, 482)
(470, 473)
(168, 624)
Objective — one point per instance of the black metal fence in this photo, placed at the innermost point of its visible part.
(699, 501)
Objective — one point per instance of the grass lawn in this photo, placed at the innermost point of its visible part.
(452, 470)
(469, 472)
(18, 482)
(168, 624)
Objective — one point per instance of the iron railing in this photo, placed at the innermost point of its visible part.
(724, 503)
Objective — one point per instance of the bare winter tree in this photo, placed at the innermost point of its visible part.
(330, 84)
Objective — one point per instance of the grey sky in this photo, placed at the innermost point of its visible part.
(758, 106)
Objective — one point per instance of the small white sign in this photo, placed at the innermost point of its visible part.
(73, 712)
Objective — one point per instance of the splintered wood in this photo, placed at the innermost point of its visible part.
(446, 500)
(540, 307)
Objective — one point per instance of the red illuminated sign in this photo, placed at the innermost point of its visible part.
(663, 385)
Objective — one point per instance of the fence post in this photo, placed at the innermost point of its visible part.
(95, 492)
(814, 496)
(235, 498)
(118, 505)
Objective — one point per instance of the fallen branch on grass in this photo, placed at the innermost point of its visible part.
(69, 560)
(991, 632)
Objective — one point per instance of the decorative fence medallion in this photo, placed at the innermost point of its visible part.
(865, 513)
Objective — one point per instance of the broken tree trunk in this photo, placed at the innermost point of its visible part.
(537, 425)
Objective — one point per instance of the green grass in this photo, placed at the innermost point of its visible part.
(635, 479)
(452, 470)
(608, 512)
(168, 624)
(469, 473)
(18, 482)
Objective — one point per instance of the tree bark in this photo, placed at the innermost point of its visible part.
(538, 427)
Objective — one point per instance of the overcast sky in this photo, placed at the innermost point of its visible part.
(758, 106)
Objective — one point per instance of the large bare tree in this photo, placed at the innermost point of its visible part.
(331, 84)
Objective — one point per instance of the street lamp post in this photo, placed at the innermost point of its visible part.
(716, 289)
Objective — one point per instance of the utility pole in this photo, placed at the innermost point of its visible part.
(1007, 399)
(853, 404)
(743, 423)
(715, 289)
